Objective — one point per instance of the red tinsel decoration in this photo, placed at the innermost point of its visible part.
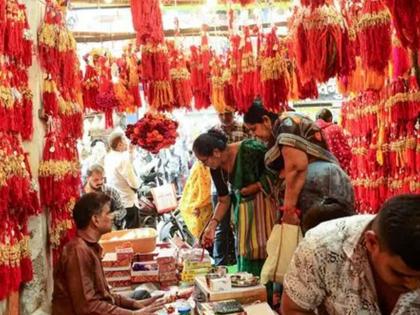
(153, 132)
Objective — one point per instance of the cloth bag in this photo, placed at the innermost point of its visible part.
(255, 221)
(280, 249)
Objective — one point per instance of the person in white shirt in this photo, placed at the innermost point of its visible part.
(120, 174)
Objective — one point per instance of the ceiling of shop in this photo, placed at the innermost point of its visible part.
(86, 4)
(103, 20)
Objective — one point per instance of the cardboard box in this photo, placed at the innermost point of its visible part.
(117, 273)
(124, 253)
(220, 284)
(246, 295)
(168, 276)
(167, 268)
(167, 256)
(119, 282)
(144, 278)
(110, 260)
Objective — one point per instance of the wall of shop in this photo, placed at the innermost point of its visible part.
(35, 297)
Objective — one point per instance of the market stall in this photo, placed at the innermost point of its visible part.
(163, 72)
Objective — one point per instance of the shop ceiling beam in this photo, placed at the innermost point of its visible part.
(222, 30)
(171, 4)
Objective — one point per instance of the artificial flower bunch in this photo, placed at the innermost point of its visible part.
(153, 132)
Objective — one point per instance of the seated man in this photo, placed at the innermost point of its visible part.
(80, 287)
(95, 183)
(362, 264)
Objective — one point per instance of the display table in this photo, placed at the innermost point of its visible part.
(252, 309)
(246, 295)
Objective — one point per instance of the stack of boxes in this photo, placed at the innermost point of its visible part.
(166, 261)
(195, 262)
(117, 268)
(144, 271)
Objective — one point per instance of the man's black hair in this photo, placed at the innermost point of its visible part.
(87, 206)
(325, 114)
(398, 224)
(327, 209)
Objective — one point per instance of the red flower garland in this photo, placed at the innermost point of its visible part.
(153, 132)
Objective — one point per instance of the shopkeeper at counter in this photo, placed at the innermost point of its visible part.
(80, 287)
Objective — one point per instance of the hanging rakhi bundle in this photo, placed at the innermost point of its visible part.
(228, 89)
(274, 75)
(180, 78)
(12, 111)
(90, 86)
(50, 96)
(153, 132)
(71, 115)
(20, 81)
(122, 93)
(133, 77)
(247, 69)
(414, 99)
(374, 34)
(200, 79)
(17, 39)
(147, 21)
(397, 103)
(234, 66)
(217, 86)
(18, 201)
(321, 40)
(2, 24)
(354, 80)
(400, 59)
(48, 38)
(106, 99)
(406, 20)
(59, 177)
(155, 73)
(68, 58)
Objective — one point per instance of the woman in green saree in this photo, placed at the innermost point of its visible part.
(242, 180)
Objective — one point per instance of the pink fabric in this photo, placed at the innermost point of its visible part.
(337, 143)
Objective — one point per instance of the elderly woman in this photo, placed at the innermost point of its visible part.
(241, 179)
(299, 154)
